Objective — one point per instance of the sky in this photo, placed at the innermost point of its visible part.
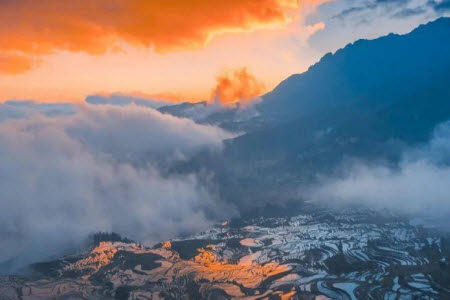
(57, 51)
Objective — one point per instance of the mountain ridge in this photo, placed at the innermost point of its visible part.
(345, 66)
(359, 103)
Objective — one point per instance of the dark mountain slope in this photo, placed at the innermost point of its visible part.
(369, 74)
(368, 101)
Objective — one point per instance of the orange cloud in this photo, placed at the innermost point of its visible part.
(240, 86)
(40, 27)
(14, 64)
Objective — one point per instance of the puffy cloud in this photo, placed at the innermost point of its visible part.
(41, 27)
(240, 86)
(418, 187)
(134, 130)
(66, 176)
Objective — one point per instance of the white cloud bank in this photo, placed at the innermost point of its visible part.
(66, 176)
(419, 187)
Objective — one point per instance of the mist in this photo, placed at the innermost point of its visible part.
(66, 176)
(417, 187)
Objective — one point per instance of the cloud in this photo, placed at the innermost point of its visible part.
(14, 63)
(231, 98)
(34, 28)
(18, 109)
(66, 176)
(440, 6)
(409, 12)
(126, 99)
(393, 8)
(418, 187)
(137, 131)
(239, 86)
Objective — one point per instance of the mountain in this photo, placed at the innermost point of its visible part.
(232, 118)
(370, 74)
(184, 109)
(370, 100)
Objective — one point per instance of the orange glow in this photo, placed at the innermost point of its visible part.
(208, 268)
(99, 257)
(240, 86)
(207, 265)
(40, 27)
(54, 51)
(14, 64)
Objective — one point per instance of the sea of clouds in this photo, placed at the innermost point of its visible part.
(67, 171)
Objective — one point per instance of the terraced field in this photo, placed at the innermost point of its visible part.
(347, 255)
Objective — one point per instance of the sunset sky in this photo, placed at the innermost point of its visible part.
(52, 50)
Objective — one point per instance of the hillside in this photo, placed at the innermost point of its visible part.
(370, 100)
